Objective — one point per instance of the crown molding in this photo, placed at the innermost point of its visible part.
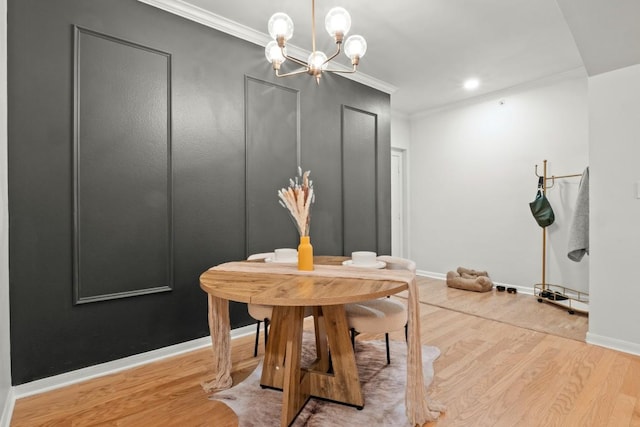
(196, 14)
(209, 19)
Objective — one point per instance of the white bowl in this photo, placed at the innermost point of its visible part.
(285, 255)
(363, 258)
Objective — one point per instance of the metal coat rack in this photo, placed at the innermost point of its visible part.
(571, 299)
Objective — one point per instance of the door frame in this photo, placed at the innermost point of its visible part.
(401, 154)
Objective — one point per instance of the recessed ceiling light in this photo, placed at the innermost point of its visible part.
(471, 84)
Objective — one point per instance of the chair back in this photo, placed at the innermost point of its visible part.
(397, 263)
(260, 256)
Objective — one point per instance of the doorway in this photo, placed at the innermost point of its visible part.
(398, 202)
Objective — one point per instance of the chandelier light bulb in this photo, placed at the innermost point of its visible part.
(355, 47)
(338, 22)
(274, 53)
(317, 61)
(280, 25)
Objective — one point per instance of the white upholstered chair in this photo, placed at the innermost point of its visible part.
(382, 315)
(261, 313)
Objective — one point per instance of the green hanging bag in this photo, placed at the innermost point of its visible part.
(541, 208)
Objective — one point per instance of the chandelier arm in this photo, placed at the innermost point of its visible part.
(297, 61)
(292, 58)
(342, 71)
(334, 55)
(292, 73)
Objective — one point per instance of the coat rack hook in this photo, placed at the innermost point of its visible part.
(553, 182)
(537, 172)
(545, 178)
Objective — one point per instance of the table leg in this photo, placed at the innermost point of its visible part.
(322, 363)
(275, 352)
(282, 363)
(343, 383)
(219, 327)
(296, 382)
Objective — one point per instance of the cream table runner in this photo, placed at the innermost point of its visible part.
(419, 407)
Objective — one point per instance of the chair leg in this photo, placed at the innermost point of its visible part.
(353, 338)
(255, 347)
(266, 332)
(406, 332)
(386, 340)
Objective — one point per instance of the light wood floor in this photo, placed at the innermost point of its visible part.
(515, 309)
(490, 373)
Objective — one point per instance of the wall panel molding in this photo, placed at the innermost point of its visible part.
(359, 180)
(272, 137)
(122, 169)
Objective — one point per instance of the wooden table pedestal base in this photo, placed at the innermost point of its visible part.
(332, 376)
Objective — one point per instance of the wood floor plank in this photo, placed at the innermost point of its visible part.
(579, 367)
(622, 412)
(534, 399)
(631, 387)
(503, 397)
(635, 418)
(600, 414)
(585, 403)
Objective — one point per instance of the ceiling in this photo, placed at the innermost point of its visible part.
(427, 48)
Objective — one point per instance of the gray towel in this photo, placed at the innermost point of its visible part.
(579, 231)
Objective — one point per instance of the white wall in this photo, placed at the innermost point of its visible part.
(5, 358)
(472, 177)
(400, 131)
(614, 126)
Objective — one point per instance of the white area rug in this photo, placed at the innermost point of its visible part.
(383, 387)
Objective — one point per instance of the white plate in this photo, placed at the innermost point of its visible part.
(284, 261)
(378, 264)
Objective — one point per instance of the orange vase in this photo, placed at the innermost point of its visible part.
(305, 254)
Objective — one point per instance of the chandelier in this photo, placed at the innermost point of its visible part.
(337, 23)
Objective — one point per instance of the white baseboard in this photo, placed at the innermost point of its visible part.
(7, 408)
(73, 377)
(521, 289)
(613, 343)
(431, 274)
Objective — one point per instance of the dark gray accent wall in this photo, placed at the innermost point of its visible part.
(233, 133)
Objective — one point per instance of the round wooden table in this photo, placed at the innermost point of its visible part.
(333, 375)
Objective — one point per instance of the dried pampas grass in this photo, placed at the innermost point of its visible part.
(297, 199)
